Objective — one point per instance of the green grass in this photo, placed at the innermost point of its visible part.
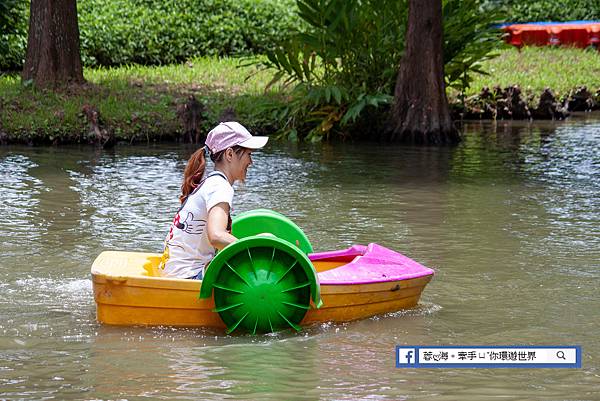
(137, 103)
(535, 68)
(210, 73)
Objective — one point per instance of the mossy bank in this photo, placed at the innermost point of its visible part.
(134, 103)
(146, 104)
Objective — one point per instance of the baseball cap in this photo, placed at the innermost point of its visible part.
(229, 134)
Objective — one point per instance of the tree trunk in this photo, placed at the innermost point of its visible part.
(420, 114)
(53, 56)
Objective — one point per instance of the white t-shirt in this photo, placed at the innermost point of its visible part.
(187, 248)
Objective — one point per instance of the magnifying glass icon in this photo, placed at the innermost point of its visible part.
(561, 355)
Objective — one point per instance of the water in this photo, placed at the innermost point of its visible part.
(510, 220)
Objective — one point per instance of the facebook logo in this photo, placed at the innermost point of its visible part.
(406, 356)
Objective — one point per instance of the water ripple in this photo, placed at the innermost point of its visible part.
(509, 219)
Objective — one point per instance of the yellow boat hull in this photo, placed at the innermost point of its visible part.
(128, 290)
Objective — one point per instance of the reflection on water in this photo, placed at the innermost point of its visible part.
(510, 220)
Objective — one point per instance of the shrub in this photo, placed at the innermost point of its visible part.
(548, 10)
(13, 33)
(346, 62)
(469, 40)
(163, 32)
(153, 32)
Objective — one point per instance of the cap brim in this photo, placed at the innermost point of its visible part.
(256, 142)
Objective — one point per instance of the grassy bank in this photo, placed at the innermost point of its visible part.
(135, 103)
(534, 68)
(140, 103)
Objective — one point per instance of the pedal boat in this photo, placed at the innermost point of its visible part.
(353, 283)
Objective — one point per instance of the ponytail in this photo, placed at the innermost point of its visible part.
(194, 171)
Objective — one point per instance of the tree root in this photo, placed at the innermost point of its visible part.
(97, 134)
(511, 104)
(191, 114)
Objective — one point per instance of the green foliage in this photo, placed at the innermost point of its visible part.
(344, 65)
(8, 16)
(13, 31)
(150, 32)
(348, 42)
(469, 40)
(548, 10)
(345, 61)
(6, 7)
(156, 32)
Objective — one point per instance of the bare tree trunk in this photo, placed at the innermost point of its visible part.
(420, 114)
(53, 44)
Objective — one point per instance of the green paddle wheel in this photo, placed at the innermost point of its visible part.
(263, 283)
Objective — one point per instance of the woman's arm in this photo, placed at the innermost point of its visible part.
(218, 217)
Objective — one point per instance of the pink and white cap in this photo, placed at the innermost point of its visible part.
(229, 134)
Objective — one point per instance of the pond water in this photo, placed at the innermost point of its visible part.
(510, 221)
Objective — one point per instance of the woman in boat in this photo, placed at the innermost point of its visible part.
(203, 222)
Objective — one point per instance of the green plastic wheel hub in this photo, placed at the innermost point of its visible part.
(261, 284)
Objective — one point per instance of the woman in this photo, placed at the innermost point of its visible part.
(203, 222)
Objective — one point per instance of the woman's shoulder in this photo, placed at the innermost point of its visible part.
(217, 178)
(216, 183)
